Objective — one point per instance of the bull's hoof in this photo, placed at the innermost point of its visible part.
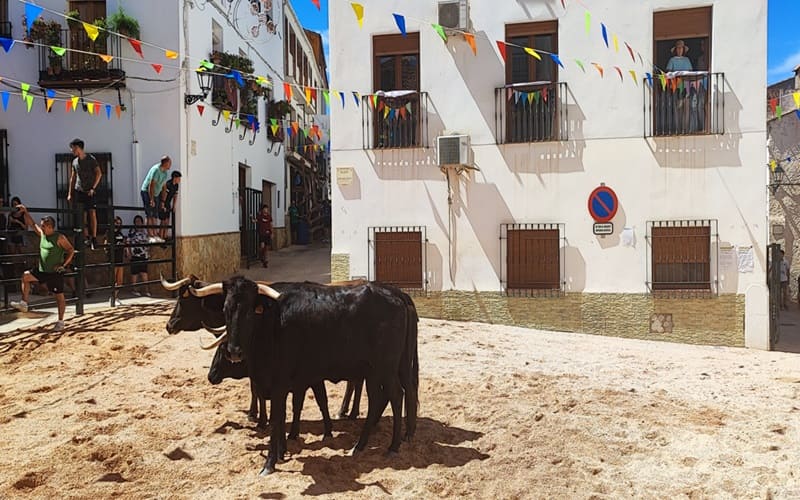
(341, 415)
(267, 470)
(253, 417)
(328, 434)
(353, 415)
(261, 426)
(293, 436)
(390, 453)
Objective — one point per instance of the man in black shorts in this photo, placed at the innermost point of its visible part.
(83, 182)
(55, 254)
(169, 197)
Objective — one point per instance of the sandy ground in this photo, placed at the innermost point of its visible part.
(115, 407)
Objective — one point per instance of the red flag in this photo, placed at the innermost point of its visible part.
(773, 103)
(97, 108)
(69, 105)
(137, 46)
(157, 67)
(502, 47)
(544, 94)
(316, 2)
(200, 109)
(619, 71)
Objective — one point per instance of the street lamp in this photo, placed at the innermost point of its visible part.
(777, 178)
(204, 79)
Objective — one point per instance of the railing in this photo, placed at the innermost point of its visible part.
(5, 29)
(248, 231)
(86, 70)
(102, 264)
(535, 112)
(684, 103)
(394, 122)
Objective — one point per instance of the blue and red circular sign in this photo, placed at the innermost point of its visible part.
(603, 204)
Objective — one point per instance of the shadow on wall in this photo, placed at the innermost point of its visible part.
(405, 164)
(613, 240)
(351, 191)
(575, 269)
(700, 151)
(435, 267)
(728, 269)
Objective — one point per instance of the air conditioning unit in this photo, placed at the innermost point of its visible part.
(454, 14)
(452, 150)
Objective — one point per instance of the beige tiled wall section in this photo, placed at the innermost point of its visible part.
(340, 267)
(210, 256)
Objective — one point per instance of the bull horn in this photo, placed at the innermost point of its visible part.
(269, 292)
(215, 344)
(213, 289)
(215, 331)
(174, 286)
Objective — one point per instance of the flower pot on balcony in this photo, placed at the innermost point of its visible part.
(124, 24)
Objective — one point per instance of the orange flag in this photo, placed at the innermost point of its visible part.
(470, 38)
(287, 91)
(308, 95)
(171, 54)
(105, 57)
(599, 68)
(119, 110)
(68, 105)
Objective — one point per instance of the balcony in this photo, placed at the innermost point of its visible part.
(5, 29)
(76, 70)
(399, 120)
(684, 103)
(531, 112)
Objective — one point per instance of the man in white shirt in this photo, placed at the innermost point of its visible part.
(784, 281)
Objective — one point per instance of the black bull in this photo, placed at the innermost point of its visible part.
(312, 333)
(193, 313)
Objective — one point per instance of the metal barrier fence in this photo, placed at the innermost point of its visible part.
(13, 265)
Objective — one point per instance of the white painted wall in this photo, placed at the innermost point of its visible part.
(711, 177)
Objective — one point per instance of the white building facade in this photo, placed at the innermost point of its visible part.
(502, 231)
(154, 119)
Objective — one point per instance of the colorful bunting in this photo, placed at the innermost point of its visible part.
(502, 47)
(633, 75)
(50, 95)
(274, 129)
(588, 21)
(25, 88)
(773, 103)
(316, 2)
(237, 76)
(649, 79)
(341, 94)
(555, 59)
(206, 64)
(359, 11)
(7, 43)
(470, 38)
(580, 65)
(797, 112)
(170, 54)
(599, 68)
(118, 110)
(157, 67)
(620, 73)
(74, 100)
(663, 78)
(295, 127)
(616, 43)
(32, 12)
(438, 28)
(91, 30)
(374, 101)
(105, 57)
(308, 95)
(29, 100)
(796, 96)
(533, 53)
(226, 115)
(326, 95)
(385, 112)
(287, 91)
(401, 23)
(357, 98)
(108, 111)
(778, 110)
(97, 106)
(68, 105)
(772, 165)
(605, 33)
(4, 96)
(59, 51)
(137, 46)
(200, 109)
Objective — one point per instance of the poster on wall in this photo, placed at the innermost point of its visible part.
(746, 261)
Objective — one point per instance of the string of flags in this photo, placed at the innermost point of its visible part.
(777, 109)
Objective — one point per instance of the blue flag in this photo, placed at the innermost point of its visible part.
(7, 43)
(5, 100)
(556, 59)
(401, 23)
(32, 12)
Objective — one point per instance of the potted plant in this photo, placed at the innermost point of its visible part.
(74, 23)
(99, 44)
(124, 24)
(48, 33)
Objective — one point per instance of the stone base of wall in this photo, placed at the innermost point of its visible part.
(280, 238)
(711, 321)
(210, 256)
(340, 267)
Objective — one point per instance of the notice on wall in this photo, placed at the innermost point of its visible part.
(728, 259)
(746, 259)
(344, 176)
(627, 238)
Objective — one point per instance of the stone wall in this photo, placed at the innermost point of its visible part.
(711, 321)
(209, 256)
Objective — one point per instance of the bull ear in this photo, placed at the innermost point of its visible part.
(259, 309)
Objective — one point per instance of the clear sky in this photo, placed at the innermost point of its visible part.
(783, 38)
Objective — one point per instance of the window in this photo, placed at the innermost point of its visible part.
(531, 92)
(79, 41)
(682, 42)
(5, 25)
(681, 255)
(533, 256)
(397, 118)
(398, 256)
(216, 37)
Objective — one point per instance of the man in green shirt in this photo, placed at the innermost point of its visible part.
(55, 254)
(153, 194)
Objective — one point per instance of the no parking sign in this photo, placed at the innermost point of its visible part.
(603, 204)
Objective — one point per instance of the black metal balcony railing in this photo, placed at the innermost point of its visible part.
(5, 29)
(689, 104)
(395, 122)
(76, 69)
(535, 112)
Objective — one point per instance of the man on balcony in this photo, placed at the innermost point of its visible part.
(83, 181)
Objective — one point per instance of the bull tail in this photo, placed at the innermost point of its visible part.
(411, 363)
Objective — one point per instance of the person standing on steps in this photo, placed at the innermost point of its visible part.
(55, 255)
(152, 192)
(83, 181)
(169, 197)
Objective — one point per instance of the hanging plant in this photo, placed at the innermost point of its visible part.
(124, 24)
(74, 23)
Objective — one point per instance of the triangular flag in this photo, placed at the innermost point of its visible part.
(295, 127)
(375, 101)
(391, 114)
(555, 58)
(171, 54)
(533, 53)
(206, 64)
(605, 33)
(7, 43)
(778, 110)
(105, 57)
(4, 96)
(663, 78)
(649, 79)
(50, 95)
(118, 110)
(470, 38)
(357, 98)
(633, 75)
(74, 100)
(587, 21)
(326, 95)
(137, 46)
(29, 100)
(59, 51)
(509, 93)
(772, 165)
(49, 104)
(580, 65)
(385, 112)
(316, 2)
(91, 30)
(401, 23)
(630, 51)
(200, 109)
(32, 12)
(25, 88)
(97, 107)
(308, 95)
(237, 122)
(274, 130)
(237, 76)
(157, 67)
(599, 68)
(544, 94)
(438, 28)
(502, 47)
(620, 73)
(226, 115)
(772, 103)
(616, 43)
(108, 111)
(536, 96)
(797, 112)
(531, 95)
(408, 108)
(796, 96)
(289, 131)
(68, 105)
(359, 10)
(287, 91)
(341, 95)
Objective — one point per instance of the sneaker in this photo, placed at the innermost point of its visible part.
(147, 294)
(157, 239)
(58, 326)
(137, 293)
(87, 242)
(115, 302)
(21, 306)
(94, 243)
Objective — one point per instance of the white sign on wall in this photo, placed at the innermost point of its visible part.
(344, 176)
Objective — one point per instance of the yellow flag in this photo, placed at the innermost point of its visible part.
(633, 75)
(772, 165)
(616, 43)
(49, 104)
(91, 107)
(533, 53)
(226, 114)
(385, 112)
(359, 10)
(105, 57)
(91, 30)
(29, 98)
(171, 54)
(74, 102)
(796, 96)
(308, 95)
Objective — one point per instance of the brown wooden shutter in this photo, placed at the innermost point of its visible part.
(683, 23)
(533, 259)
(398, 258)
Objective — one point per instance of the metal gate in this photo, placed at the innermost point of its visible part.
(250, 206)
(774, 285)
(104, 195)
